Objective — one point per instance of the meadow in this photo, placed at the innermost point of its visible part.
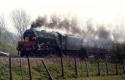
(68, 69)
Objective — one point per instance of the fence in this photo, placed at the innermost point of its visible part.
(56, 68)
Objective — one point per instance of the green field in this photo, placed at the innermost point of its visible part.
(119, 77)
(54, 67)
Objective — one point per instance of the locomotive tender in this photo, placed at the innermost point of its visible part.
(42, 43)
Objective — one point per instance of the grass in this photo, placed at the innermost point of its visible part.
(39, 72)
(115, 77)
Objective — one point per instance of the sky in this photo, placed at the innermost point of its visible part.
(99, 11)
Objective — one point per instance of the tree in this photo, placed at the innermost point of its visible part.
(2, 25)
(21, 21)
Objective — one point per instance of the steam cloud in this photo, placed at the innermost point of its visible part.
(71, 26)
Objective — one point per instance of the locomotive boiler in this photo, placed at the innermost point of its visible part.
(43, 43)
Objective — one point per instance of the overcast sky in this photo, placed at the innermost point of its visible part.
(100, 11)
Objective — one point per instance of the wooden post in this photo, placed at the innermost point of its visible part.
(10, 68)
(29, 67)
(62, 66)
(87, 71)
(21, 73)
(98, 67)
(76, 71)
(106, 65)
(116, 67)
(123, 68)
(50, 77)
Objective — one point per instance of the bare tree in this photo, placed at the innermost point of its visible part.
(21, 21)
(2, 25)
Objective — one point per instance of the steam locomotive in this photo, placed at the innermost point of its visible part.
(43, 43)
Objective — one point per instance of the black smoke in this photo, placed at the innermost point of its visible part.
(103, 33)
(55, 22)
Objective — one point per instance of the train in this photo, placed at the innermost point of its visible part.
(43, 43)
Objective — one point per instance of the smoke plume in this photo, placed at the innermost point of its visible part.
(55, 22)
(103, 33)
(72, 26)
